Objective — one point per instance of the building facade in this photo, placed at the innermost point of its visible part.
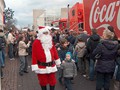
(2, 7)
(64, 13)
(43, 18)
(38, 19)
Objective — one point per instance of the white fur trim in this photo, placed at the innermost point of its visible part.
(58, 62)
(34, 67)
(47, 55)
(47, 70)
(40, 31)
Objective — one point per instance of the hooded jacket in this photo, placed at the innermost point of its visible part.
(80, 49)
(108, 51)
(92, 43)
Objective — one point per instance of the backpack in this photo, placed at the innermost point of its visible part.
(2, 43)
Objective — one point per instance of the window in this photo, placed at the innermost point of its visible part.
(73, 12)
(80, 25)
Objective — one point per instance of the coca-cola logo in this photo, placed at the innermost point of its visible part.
(104, 15)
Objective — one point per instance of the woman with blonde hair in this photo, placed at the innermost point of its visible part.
(105, 66)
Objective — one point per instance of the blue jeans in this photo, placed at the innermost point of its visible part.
(68, 84)
(103, 81)
(2, 62)
(23, 63)
(10, 51)
(92, 70)
(3, 54)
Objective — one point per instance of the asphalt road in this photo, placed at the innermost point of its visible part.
(12, 80)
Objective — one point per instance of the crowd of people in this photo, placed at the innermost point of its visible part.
(11, 45)
(92, 56)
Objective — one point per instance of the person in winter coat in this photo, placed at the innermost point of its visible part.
(62, 50)
(11, 41)
(105, 66)
(2, 47)
(69, 70)
(22, 46)
(117, 73)
(80, 50)
(2, 51)
(92, 43)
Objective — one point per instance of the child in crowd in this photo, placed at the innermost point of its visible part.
(22, 46)
(62, 50)
(69, 70)
(80, 50)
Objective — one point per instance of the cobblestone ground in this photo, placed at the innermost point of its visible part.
(12, 80)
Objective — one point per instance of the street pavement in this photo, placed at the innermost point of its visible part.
(12, 80)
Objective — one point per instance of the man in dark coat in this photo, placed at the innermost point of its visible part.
(91, 45)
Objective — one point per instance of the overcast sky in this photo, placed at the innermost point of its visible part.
(23, 8)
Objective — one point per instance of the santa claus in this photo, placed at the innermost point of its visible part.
(45, 59)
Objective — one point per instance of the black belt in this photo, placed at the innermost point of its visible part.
(46, 64)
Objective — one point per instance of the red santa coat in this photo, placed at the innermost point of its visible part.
(44, 55)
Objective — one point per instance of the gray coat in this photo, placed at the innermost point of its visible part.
(80, 49)
(69, 68)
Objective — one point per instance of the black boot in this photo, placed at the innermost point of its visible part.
(44, 87)
(52, 87)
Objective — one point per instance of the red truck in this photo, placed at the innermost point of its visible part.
(90, 14)
(62, 23)
(75, 18)
(76, 15)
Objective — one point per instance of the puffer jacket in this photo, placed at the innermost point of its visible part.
(108, 51)
(118, 64)
(69, 68)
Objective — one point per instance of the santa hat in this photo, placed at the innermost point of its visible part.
(42, 29)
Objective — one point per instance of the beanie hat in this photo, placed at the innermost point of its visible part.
(69, 53)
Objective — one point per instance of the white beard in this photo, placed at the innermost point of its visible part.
(46, 41)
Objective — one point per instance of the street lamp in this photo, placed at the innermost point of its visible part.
(68, 24)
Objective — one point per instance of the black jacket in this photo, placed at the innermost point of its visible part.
(92, 43)
(118, 63)
(108, 51)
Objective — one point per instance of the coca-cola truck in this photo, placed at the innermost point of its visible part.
(97, 14)
(74, 20)
(76, 15)
(100, 14)
(62, 23)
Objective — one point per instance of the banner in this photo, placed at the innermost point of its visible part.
(100, 14)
